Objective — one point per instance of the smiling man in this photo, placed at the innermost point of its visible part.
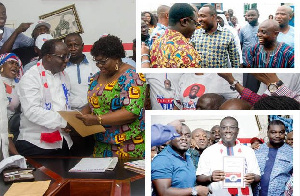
(269, 53)
(210, 167)
(43, 91)
(275, 160)
(80, 70)
(172, 170)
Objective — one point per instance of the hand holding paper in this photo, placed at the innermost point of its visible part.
(88, 119)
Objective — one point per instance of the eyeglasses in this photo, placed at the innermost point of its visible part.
(101, 62)
(63, 57)
(231, 128)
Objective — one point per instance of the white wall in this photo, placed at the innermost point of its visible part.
(97, 17)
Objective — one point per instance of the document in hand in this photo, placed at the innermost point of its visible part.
(95, 164)
(78, 125)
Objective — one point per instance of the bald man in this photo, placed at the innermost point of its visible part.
(198, 144)
(162, 23)
(235, 104)
(210, 101)
(286, 32)
(269, 53)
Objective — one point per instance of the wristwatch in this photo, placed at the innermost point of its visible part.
(232, 86)
(272, 87)
(194, 191)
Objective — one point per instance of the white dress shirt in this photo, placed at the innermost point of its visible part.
(3, 122)
(34, 118)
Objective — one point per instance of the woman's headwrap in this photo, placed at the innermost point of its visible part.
(12, 57)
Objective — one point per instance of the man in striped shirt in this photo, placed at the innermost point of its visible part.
(269, 53)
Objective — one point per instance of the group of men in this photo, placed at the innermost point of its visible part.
(45, 87)
(175, 171)
(177, 43)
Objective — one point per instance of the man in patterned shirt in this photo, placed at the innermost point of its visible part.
(269, 53)
(173, 50)
(214, 43)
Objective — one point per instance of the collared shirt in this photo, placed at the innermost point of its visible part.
(281, 57)
(173, 50)
(248, 38)
(158, 30)
(36, 120)
(211, 159)
(3, 122)
(281, 171)
(252, 97)
(168, 164)
(287, 38)
(21, 41)
(215, 48)
(79, 79)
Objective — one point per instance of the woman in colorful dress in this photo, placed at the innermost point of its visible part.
(116, 98)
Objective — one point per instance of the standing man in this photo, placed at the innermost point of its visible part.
(199, 143)
(269, 53)
(12, 38)
(215, 133)
(43, 91)
(275, 160)
(162, 24)
(79, 70)
(210, 167)
(172, 170)
(248, 34)
(173, 49)
(289, 138)
(283, 15)
(213, 42)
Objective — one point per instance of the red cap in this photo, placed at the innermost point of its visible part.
(256, 139)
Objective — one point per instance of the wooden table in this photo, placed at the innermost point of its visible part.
(114, 183)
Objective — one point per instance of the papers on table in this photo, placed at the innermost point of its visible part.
(78, 125)
(234, 172)
(95, 164)
(37, 188)
(136, 166)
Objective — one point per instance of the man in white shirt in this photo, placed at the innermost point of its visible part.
(43, 91)
(80, 70)
(3, 122)
(210, 166)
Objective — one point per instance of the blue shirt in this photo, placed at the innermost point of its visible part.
(170, 165)
(281, 171)
(287, 38)
(159, 29)
(160, 134)
(21, 41)
(248, 38)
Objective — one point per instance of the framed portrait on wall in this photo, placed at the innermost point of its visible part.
(63, 22)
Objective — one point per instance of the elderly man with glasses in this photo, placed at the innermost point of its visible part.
(211, 172)
(43, 91)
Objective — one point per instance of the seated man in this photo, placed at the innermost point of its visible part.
(43, 91)
(210, 167)
(172, 170)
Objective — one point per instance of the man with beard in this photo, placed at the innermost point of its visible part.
(215, 44)
(173, 50)
(210, 167)
(198, 144)
(269, 53)
(248, 34)
(275, 160)
(79, 69)
(172, 170)
(283, 15)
